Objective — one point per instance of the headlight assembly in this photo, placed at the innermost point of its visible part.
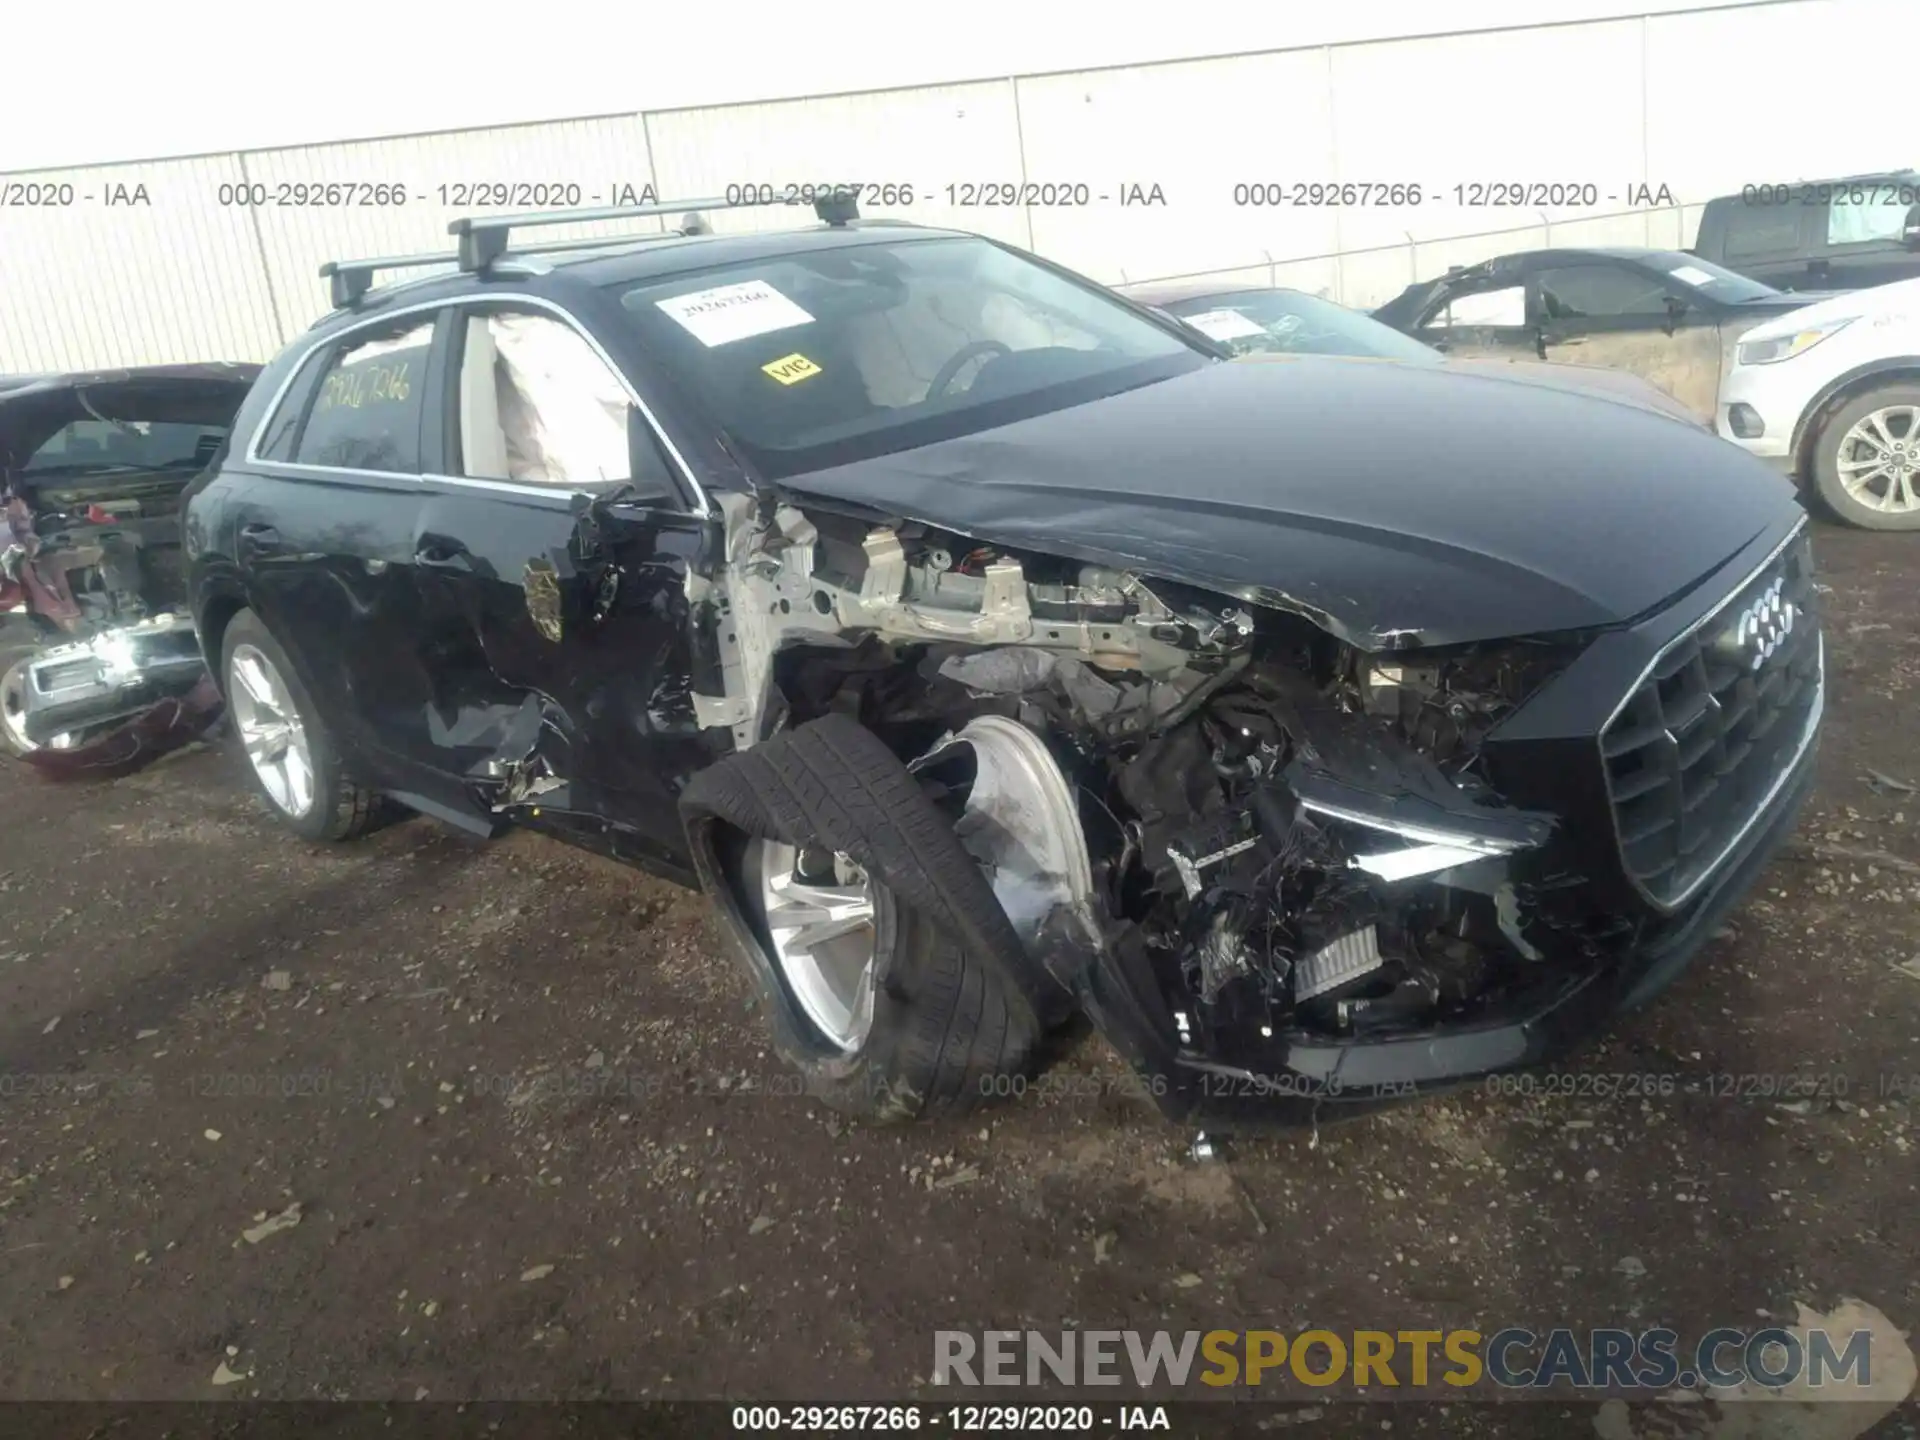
(1785, 347)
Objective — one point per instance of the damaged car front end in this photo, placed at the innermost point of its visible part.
(1282, 871)
(992, 650)
(95, 467)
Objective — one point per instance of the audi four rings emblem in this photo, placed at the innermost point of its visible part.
(1765, 624)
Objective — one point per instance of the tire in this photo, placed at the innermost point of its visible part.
(335, 807)
(1836, 434)
(954, 1003)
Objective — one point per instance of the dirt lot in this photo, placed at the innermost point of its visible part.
(539, 1149)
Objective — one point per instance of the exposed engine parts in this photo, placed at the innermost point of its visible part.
(1295, 834)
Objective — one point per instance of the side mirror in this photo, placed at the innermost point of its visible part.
(1676, 311)
(1910, 232)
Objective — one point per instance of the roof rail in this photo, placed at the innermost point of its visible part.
(483, 239)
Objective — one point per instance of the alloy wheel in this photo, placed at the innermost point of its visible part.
(819, 913)
(1879, 460)
(270, 728)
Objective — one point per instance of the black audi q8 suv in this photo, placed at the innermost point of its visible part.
(995, 650)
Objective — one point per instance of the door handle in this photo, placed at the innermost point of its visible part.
(442, 555)
(259, 537)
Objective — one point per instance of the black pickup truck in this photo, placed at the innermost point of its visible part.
(1818, 234)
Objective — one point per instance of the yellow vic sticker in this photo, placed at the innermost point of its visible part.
(791, 369)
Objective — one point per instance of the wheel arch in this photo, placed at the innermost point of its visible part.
(1838, 392)
(217, 609)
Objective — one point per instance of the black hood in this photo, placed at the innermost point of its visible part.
(34, 408)
(1401, 505)
(1620, 386)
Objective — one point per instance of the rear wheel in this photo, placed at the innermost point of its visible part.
(289, 751)
(1866, 460)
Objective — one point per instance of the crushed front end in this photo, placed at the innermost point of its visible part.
(1309, 874)
(1421, 870)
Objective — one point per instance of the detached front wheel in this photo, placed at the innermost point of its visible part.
(893, 980)
(289, 751)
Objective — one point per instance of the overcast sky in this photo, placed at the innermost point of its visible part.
(102, 80)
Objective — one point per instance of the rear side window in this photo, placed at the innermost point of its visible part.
(1756, 231)
(366, 412)
(276, 441)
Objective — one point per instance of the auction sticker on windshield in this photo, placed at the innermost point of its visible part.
(791, 369)
(734, 312)
(1223, 325)
(1691, 275)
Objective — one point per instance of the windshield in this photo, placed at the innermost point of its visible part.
(1268, 322)
(1716, 282)
(823, 357)
(126, 444)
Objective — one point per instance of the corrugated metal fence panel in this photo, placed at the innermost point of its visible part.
(927, 139)
(570, 164)
(1196, 130)
(1614, 103)
(1528, 108)
(98, 284)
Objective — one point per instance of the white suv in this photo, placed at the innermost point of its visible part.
(1831, 393)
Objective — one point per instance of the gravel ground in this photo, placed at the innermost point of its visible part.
(416, 1117)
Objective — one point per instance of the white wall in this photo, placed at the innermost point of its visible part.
(1701, 101)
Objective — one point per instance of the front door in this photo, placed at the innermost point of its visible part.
(555, 555)
(1625, 317)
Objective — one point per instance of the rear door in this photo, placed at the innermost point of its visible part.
(324, 536)
(555, 548)
(1629, 317)
(1485, 316)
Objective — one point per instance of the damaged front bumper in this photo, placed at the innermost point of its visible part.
(1302, 1080)
(109, 678)
(1685, 745)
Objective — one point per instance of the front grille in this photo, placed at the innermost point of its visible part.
(1706, 738)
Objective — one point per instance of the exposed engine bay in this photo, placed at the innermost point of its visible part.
(96, 552)
(94, 470)
(1296, 836)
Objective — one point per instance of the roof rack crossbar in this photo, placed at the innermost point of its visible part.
(348, 280)
(483, 239)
